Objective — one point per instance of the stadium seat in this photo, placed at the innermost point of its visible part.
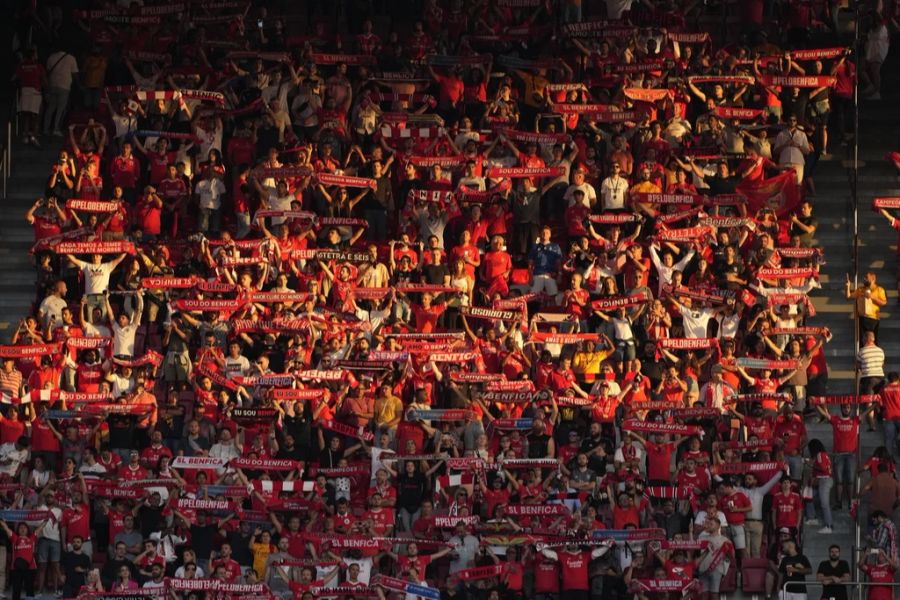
(753, 576)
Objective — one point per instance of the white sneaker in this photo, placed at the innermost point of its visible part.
(811, 522)
(825, 530)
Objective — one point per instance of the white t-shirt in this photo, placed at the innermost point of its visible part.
(123, 338)
(277, 202)
(210, 192)
(61, 67)
(9, 452)
(615, 8)
(236, 367)
(120, 385)
(612, 193)
(696, 321)
(51, 306)
(96, 277)
(590, 194)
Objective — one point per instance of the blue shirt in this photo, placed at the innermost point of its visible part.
(545, 258)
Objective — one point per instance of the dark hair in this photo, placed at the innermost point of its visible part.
(815, 446)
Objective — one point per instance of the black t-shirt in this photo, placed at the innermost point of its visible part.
(151, 520)
(434, 274)
(410, 490)
(121, 430)
(836, 592)
(74, 579)
(798, 560)
(202, 539)
(240, 547)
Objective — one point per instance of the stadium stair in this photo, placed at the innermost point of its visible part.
(877, 241)
(26, 183)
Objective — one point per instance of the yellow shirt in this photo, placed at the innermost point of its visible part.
(644, 187)
(587, 364)
(867, 307)
(387, 409)
(260, 557)
(534, 89)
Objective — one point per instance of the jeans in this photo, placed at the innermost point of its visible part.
(821, 496)
(407, 519)
(795, 466)
(544, 283)
(209, 220)
(243, 224)
(377, 219)
(92, 97)
(572, 12)
(57, 100)
(844, 467)
(891, 432)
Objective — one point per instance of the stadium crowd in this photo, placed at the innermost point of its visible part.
(505, 301)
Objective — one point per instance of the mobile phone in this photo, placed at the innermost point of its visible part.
(259, 23)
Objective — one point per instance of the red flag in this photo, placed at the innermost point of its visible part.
(780, 193)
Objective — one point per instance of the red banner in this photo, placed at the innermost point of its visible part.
(519, 172)
(799, 81)
(779, 193)
(111, 247)
(93, 206)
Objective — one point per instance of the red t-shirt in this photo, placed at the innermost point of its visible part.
(574, 569)
(150, 217)
(232, 568)
(845, 433)
(44, 228)
(496, 263)
(42, 438)
(125, 171)
(31, 75)
(546, 575)
(890, 397)
(787, 509)
(659, 459)
(451, 89)
(879, 574)
(10, 430)
(77, 522)
(735, 500)
(23, 547)
(426, 318)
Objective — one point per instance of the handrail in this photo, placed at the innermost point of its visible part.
(854, 190)
(859, 585)
(6, 164)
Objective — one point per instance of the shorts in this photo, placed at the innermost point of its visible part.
(48, 551)
(738, 537)
(626, 349)
(30, 100)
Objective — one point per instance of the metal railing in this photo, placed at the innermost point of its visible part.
(6, 162)
(851, 586)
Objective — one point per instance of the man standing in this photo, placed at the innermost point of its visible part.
(61, 69)
(890, 402)
(870, 297)
(870, 361)
(753, 527)
(833, 574)
(793, 569)
(791, 147)
(543, 259)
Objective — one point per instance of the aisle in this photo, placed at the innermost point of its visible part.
(878, 125)
(28, 177)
